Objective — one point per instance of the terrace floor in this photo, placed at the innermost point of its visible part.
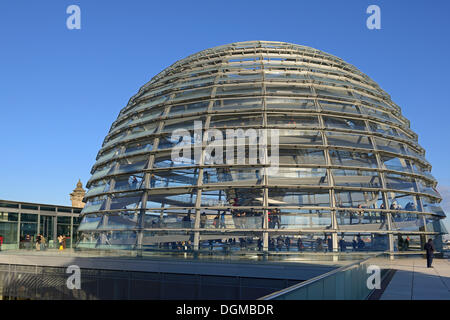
(414, 281)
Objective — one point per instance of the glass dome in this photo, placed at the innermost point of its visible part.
(261, 146)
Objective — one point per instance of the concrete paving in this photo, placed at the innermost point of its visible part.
(414, 281)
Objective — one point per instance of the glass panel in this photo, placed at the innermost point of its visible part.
(116, 137)
(407, 222)
(358, 199)
(164, 160)
(102, 171)
(299, 197)
(409, 242)
(349, 140)
(381, 114)
(64, 220)
(142, 131)
(350, 241)
(26, 217)
(9, 216)
(399, 182)
(299, 176)
(237, 175)
(415, 153)
(108, 240)
(174, 218)
(292, 120)
(371, 100)
(353, 159)
(119, 220)
(239, 90)
(192, 94)
(405, 135)
(244, 219)
(132, 164)
(301, 156)
(361, 220)
(168, 141)
(98, 187)
(383, 128)
(188, 108)
(28, 232)
(89, 222)
(418, 168)
(427, 187)
(356, 178)
(432, 205)
(140, 146)
(8, 230)
(338, 107)
(129, 182)
(295, 137)
(237, 104)
(9, 205)
(343, 123)
(153, 113)
(173, 199)
(165, 242)
(291, 104)
(235, 120)
(126, 200)
(403, 201)
(174, 178)
(299, 219)
(108, 154)
(95, 204)
(152, 101)
(394, 163)
(339, 93)
(435, 224)
(241, 76)
(194, 83)
(236, 197)
(28, 207)
(283, 76)
(181, 123)
(273, 89)
(390, 145)
(53, 209)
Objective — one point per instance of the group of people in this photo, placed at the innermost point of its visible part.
(403, 245)
(356, 217)
(280, 243)
(62, 242)
(219, 220)
(26, 242)
(274, 218)
(40, 242)
(179, 245)
(240, 219)
(358, 243)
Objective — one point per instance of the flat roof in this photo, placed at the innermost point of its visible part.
(38, 204)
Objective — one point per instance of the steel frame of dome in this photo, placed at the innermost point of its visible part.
(346, 154)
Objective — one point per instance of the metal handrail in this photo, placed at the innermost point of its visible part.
(316, 279)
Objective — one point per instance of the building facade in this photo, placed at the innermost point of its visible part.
(319, 159)
(19, 219)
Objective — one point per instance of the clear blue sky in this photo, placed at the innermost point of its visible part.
(61, 89)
